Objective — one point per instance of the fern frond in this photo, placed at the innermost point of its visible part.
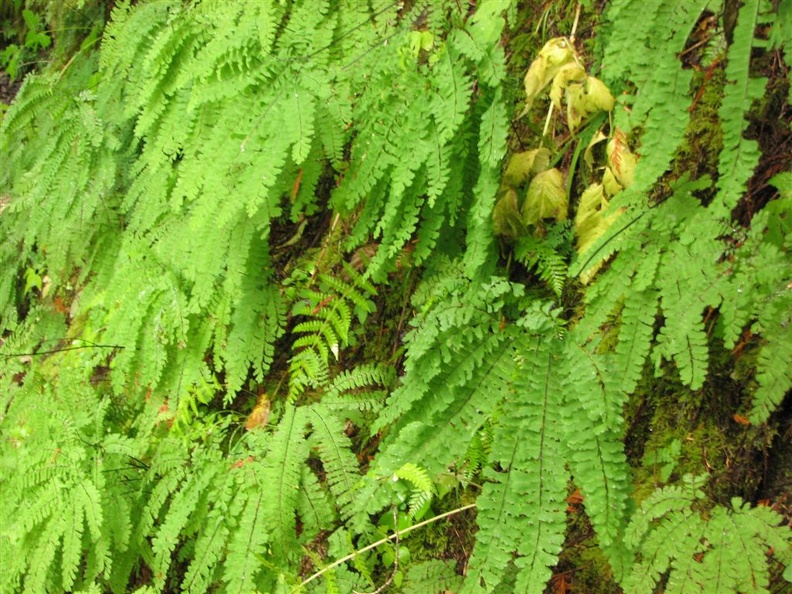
(422, 487)
(726, 551)
(353, 387)
(326, 330)
(247, 540)
(740, 155)
(635, 334)
(521, 508)
(335, 452)
(431, 576)
(182, 506)
(282, 470)
(491, 148)
(212, 538)
(314, 507)
(774, 366)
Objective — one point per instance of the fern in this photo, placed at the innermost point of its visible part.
(327, 329)
(727, 551)
(60, 505)
(431, 576)
(158, 197)
(740, 155)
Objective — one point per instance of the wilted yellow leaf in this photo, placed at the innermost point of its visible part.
(577, 105)
(599, 95)
(546, 198)
(620, 159)
(551, 58)
(506, 216)
(612, 187)
(589, 224)
(568, 74)
(260, 414)
(522, 165)
(588, 155)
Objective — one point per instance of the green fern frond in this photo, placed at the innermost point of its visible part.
(335, 452)
(247, 540)
(210, 544)
(726, 551)
(635, 335)
(314, 507)
(433, 576)
(548, 255)
(326, 328)
(774, 365)
(361, 388)
(655, 69)
(282, 470)
(491, 148)
(740, 155)
(422, 486)
(595, 455)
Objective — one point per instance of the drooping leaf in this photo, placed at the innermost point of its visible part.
(522, 165)
(546, 198)
(555, 54)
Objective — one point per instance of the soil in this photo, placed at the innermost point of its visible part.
(8, 88)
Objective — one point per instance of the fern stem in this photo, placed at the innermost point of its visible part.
(396, 535)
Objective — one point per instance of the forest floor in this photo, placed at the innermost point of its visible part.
(751, 461)
(8, 88)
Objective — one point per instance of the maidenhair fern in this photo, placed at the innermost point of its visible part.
(194, 393)
(724, 551)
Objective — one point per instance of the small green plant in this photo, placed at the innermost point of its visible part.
(36, 39)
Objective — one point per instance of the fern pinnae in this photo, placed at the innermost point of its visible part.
(314, 507)
(521, 509)
(740, 155)
(182, 506)
(247, 540)
(282, 470)
(72, 543)
(335, 452)
(492, 147)
(209, 546)
(637, 319)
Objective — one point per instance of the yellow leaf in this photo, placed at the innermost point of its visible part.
(522, 165)
(551, 58)
(589, 224)
(588, 155)
(568, 74)
(599, 95)
(506, 216)
(546, 198)
(577, 105)
(621, 160)
(260, 414)
(612, 187)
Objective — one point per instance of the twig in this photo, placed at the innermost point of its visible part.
(389, 581)
(374, 545)
(575, 24)
(71, 348)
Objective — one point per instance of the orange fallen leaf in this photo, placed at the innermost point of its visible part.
(260, 414)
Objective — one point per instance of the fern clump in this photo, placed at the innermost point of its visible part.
(725, 551)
